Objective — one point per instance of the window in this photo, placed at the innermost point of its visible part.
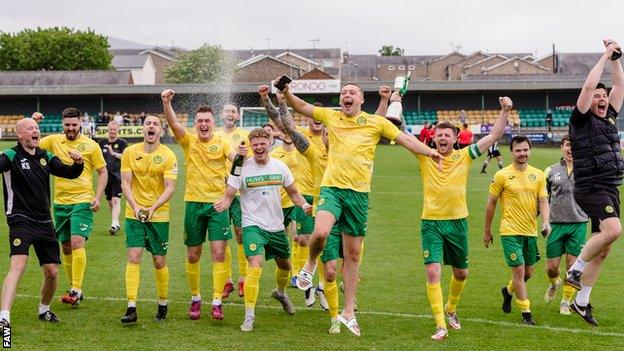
(411, 67)
(401, 68)
(390, 68)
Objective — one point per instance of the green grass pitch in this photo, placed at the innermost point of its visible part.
(393, 309)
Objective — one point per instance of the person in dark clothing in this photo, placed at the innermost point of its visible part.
(26, 170)
(112, 148)
(598, 171)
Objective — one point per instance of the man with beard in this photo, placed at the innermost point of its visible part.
(148, 175)
(205, 155)
(74, 200)
(259, 183)
(598, 171)
(234, 136)
(112, 148)
(26, 170)
(521, 188)
(354, 135)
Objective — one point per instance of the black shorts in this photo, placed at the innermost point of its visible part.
(24, 232)
(113, 188)
(598, 204)
(495, 153)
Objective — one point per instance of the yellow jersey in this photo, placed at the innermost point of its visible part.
(79, 190)
(234, 138)
(303, 173)
(353, 142)
(444, 192)
(206, 173)
(519, 192)
(149, 172)
(291, 161)
(317, 158)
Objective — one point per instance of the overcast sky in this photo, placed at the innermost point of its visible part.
(360, 27)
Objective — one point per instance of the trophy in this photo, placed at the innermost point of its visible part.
(395, 110)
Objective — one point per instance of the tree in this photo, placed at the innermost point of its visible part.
(209, 63)
(62, 49)
(389, 50)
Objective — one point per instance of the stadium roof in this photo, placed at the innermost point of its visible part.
(561, 83)
(129, 61)
(31, 80)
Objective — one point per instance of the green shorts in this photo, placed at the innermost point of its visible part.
(565, 238)
(305, 223)
(73, 220)
(257, 240)
(236, 214)
(520, 250)
(289, 215)
(348, 206)
(445, 241)
(200, 217)
(153, 236)
(333, 246)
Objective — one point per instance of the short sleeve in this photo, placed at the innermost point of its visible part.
(322, 114)
(496, 187)
(388, 130)
(46, 143)
(126, 158)
(97, 158)
(235, 182)
(288, 178)
(577, 118)
(227, 148)
(185, 141)
(171, 169)
(542, 192)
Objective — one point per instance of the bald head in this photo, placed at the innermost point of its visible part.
(24, 123)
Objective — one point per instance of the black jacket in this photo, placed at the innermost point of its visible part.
(596, 149)
(27, 181)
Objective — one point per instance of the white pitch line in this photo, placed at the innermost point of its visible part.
(389, 314)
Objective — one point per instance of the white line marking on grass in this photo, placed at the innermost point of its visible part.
(388, 314)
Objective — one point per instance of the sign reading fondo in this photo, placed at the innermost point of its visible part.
(124, 132)
(312, 86)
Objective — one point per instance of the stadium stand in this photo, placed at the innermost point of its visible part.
(537, 118)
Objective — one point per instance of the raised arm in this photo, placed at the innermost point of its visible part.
(499, 126)
(296, 103)
(490, 208)
(283, 119)
(593, 78)
(384, 98)
(617, 78)
(172, 120)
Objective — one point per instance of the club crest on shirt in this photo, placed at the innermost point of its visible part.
(115, 146)
(157, 159)
(513, 256)
(82, 147)
(252, 247)
(17, 242)
(361, 121)
(43, 162)
(213, 148)
(455, 157)
(426, 253)
(532, 177)
(609, 209)
(236, 137)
